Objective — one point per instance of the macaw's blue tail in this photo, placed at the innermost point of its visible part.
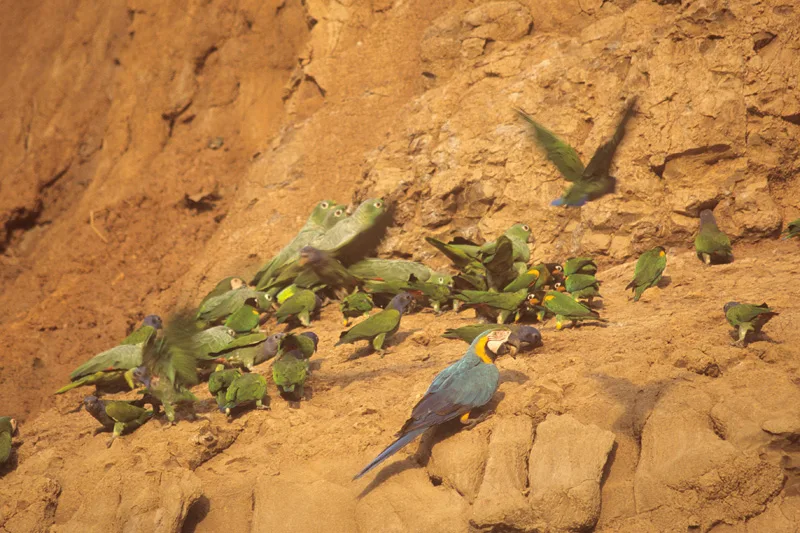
(557, 202)
(391, 450)
(560, 201)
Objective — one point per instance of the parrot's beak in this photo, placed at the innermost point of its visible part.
(14, 425)
(561, 289)
(513, 344)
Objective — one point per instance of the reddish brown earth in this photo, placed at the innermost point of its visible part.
(149, 150)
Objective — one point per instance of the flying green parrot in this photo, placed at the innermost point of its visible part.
(505, 304)
(590, 182)
(356, 305)
(380, 326)
(649, 268)
(299, 306)
(8, 426)
(582, 286)
(317, 224)
(566, 308)
(462, 387)
(747, 318)
(579, 265)
(245, 319)
(115, 366)
(169, 364)
(397, 270)
(219, 381)
(527, 335)
(346, 231)
(792, 229)
(329, 271)
(711, 244)
(116, 416)
(247, 388)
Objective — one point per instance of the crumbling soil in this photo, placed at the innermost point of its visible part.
(149, 150)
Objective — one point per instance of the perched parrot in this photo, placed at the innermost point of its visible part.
(747, 318)
(435, 294)
(527, 335)
(346, 231)
(792, 229)
(227, 303)
(299, 306)
(649, 267)
(219, 381)
(316, 225)
(396, 270)
(169, 364)
(467, 384)
(245, 319)
(305, 344)
(533, 279)
(380, 326)
(462, 252)
(565, 308)
(116, 415)
(245, 389)
(289, 372)
(249, 350)
(8, 426)
(505, 303)
(227, 284)
(579, 265)
(355, 305)
(117, 364)
(329, 271)
(582, 286)
(590, 182)
(711, 244)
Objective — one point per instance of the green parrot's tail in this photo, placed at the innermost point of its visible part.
(73, 385)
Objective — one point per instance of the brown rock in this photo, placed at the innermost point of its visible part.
(459, 461)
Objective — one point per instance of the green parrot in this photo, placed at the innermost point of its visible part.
(747, 318)
(317, 224)
(115, 366)
(8, 426)
(227, 284)
(348, 230)
(227, 303)
(211, 340)
(462, 387)
(285, 294)
(219, 381)
(116, 416)
(380, 326)
(299, 306)
(435, 294)
(169, 364)
(246, 388)
(329, 271)
(534, 278)
(527, 335)
(649, 268)
(249, 350)
(397, 270)
(590, 182)
(289, 372)
(792, 229)
(355, 305)
(505, 303)
(579, 265)
(711, 244)
(462, 252)
(582, 286)
(566, 308)
(244, 319)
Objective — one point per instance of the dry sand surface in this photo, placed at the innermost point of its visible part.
(150, 149)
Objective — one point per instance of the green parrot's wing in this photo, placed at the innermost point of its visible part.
(5, 446)
(289, 371)
(744, 313)
(389, 270)
(561, 304)
(500, 264)
(140, 336)
(600, 164)
(384, 322)
(246, 388)
(174, 357)
(243, 320)
(221, 288)
(649, 268)
(562, 155)
(468, 333)
(459, 255)
(122, 357)
(214, 340)
(222, 379)
(245, 340)
(386, 287)
(124, 411)
(303, 300)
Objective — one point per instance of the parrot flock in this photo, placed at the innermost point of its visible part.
(225, 339)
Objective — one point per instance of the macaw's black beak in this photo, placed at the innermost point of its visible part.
(513, 344)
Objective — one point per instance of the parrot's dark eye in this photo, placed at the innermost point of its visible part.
(324, 205)
(378, 204)
(338, 213)
(526, 227)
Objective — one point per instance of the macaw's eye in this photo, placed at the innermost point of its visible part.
(324, 205)
(526, 227)
(378, 204)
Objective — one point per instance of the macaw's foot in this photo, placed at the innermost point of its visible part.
(470, 423)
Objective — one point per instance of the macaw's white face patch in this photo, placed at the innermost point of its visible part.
(496, 339)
